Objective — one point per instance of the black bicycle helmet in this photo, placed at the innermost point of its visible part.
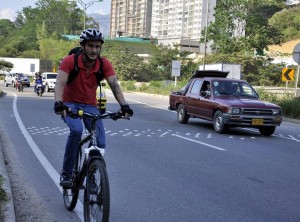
(91, 35)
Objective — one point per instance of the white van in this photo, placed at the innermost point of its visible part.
(49, 80)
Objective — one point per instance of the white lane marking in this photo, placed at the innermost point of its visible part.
(158, 107)
(162, 135)
(293, 138)
(196, 141)
(40, 156)
(279, 135)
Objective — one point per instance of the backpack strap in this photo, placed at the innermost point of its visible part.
(75, 71)
(100, 74)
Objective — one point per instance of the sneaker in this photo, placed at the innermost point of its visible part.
(93, 185)
(66, 181)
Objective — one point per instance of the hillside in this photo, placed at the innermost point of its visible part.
(103, 21)
(285, 48)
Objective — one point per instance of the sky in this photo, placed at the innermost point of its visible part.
(8, 8)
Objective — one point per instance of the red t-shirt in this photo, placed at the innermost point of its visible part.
(83, 88)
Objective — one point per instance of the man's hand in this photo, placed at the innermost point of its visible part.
(126, 110)
(59, 107)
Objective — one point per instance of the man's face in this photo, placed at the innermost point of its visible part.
(92, 49)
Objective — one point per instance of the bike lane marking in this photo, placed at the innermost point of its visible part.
(40, 156)
(196, 141)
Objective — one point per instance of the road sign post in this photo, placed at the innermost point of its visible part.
(176, 66)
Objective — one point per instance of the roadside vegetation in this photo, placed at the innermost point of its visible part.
(3, 198)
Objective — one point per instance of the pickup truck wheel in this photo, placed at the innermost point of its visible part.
(219, 125)
(267, 130)
(5, 83)
(182, 116)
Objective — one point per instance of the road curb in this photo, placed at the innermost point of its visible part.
(9, 210)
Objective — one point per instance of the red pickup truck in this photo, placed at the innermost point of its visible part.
(225, 102)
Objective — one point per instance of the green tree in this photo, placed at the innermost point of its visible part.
(288, 21)
(127, 64)
(241, 25)
(48, 19)
(5, 65)
(256, 70)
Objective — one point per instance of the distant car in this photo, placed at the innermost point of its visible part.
(49, 80)
(225, 102)
(10, 79)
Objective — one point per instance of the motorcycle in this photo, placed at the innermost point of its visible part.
(39, 88)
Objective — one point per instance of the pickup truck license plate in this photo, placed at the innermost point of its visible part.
(257, 121)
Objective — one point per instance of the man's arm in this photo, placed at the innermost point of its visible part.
(61, 81)
(116, 89)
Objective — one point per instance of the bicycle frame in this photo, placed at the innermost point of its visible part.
(89, 153)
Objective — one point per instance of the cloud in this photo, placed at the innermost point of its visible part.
(99, 11)
(7, 13)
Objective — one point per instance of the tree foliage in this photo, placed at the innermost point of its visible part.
(242, 26)
(47, 17)
(257, 70)
(288, 21)
(5, 65)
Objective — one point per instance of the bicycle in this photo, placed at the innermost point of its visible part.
(90, 174)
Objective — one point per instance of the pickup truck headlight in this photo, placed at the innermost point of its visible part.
(276, 112)
(233, 110)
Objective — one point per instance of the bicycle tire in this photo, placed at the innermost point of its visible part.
(70, 198)
(97, 200)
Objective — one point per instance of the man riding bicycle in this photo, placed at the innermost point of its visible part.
(80, 94)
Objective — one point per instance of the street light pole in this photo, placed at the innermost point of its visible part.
(85, 7)
(205, 36)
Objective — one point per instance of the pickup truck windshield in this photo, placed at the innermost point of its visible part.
(233, 88)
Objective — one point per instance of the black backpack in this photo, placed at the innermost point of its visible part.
(75, 71)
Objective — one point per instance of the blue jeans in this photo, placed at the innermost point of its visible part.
(76, 129)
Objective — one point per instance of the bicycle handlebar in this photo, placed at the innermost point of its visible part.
(81, 113)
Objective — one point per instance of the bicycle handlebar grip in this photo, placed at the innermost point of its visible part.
(80, 113)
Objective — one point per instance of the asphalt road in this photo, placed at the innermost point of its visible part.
(160, 170)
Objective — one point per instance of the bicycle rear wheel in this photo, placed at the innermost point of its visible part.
(70, 198)
(97, 193)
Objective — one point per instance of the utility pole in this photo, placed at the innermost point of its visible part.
(205, 35)
(85, 7)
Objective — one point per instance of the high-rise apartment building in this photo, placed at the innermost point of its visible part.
(181, 22)
(172, 22)
(130, 18)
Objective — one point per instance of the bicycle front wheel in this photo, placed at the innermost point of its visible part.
(97, 194)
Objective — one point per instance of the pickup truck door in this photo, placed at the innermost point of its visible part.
(192, 97)
(203, 104)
